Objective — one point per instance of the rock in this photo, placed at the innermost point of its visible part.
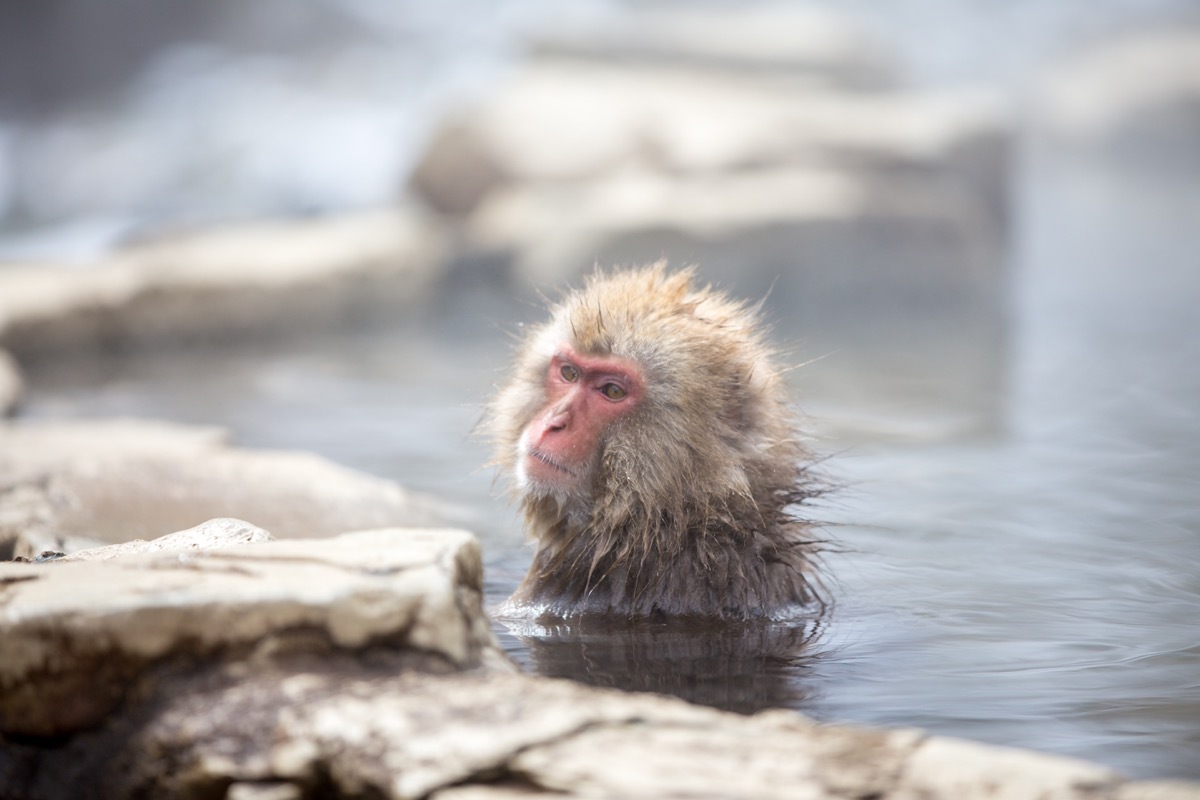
(211, 535)
(787, 756)
(834, 227)
(225, 284)
(458, 167)
(12, 386)
(71, 486)
(563, 121)
(77, 631)
(1137, 97)
(340, 732)
(942, 767)
(1158, 790)
(811, 44)
(32, 445)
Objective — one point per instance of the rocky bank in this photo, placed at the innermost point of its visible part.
(216, 662)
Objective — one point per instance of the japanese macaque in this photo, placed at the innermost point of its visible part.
(656, 458)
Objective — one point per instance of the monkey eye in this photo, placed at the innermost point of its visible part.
(569, 373)
(612, 391)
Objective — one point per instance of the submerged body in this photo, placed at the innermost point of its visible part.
(656, 457)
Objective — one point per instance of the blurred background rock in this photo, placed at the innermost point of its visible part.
(856, 166)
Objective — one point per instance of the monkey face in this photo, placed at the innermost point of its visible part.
(559, 450)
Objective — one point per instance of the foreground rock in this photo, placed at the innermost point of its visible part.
(335, 733)
(211, 535)
(224, 285)
(363, 666)
(77, 632)
(68, 486)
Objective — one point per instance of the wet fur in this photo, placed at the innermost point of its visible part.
(693, 505)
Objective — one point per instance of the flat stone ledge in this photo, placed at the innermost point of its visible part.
(76, 631)
(28, 446)
(211, 535)
(225, 284)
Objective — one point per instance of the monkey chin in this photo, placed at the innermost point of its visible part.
(540, 477)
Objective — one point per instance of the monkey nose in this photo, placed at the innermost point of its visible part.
(557, 422)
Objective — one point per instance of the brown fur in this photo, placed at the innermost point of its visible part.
(691, 509)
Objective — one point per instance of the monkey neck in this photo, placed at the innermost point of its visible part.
(705, 561)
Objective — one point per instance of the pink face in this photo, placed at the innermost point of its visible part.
(584, 395)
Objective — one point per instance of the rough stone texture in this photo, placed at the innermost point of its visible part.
(75, 632)
(67, 486)
(1137, 96)
(339, 729)
(12, 386)
(790, 757)
(211, 535)
(798, 43)
(223, 285)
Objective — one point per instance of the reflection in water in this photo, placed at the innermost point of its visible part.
(736, 666)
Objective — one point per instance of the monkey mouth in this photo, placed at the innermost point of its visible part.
(550, 462)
